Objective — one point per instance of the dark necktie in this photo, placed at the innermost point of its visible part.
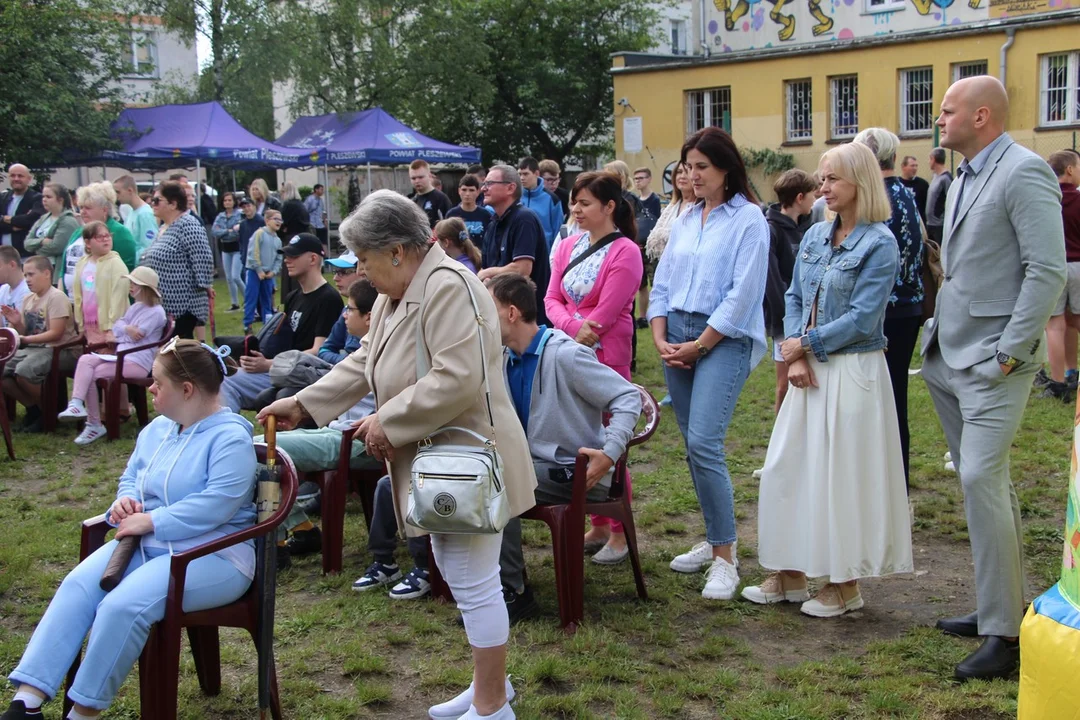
(959, 193)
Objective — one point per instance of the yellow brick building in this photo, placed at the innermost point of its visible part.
(801, 94)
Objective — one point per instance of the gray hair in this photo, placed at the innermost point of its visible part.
(288, 191)
(938, 154)
(883, 143)
(509, 174)
(99, 194)
(385, 219)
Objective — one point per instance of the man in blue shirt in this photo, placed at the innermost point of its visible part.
(561, 393)
(514, 242)
(315, 205)
(536, 197)
(340, 342)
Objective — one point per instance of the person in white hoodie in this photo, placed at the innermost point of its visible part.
(190, 480)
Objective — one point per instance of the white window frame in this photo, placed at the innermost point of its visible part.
(972, 68)
(136, 39)
(881, 6)
(1069, 91)
(677, 32)
(798, 112)
(837, 131)
(708, 99)
(917, 101)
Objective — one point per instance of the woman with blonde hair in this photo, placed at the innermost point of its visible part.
(97, 201)
(832, 501)
(454, 238)
(260, 195)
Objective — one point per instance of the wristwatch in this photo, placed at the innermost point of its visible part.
(701, 348)
(805, 342)
(1007, 360)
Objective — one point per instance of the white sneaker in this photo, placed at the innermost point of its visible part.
(454, 709)
(776, 588)
(504, 713)
(699, 557)
(76, 410)
(950, 466)
(757, 473)
(721, 581)
(90, 433)
(948, 456)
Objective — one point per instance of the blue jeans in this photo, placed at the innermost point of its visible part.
(703, 399)
(118, 622)
(240, 391)
(232, 265)
(258, 298)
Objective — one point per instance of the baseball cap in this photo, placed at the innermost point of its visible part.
(344, 260)
(246, 201)
(304, 243)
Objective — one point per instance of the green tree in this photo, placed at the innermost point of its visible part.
(62, 63)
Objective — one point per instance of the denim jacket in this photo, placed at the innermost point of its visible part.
(852, 283)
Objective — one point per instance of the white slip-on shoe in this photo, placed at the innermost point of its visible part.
(721, 581)
(454, 709)
(504, 713)
(948, 456)
(830, 602)
(757, 473)
(776, 588)
(950, 466)
(699, 556)
(608, 556)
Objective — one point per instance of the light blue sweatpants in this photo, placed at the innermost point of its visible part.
(118, 622)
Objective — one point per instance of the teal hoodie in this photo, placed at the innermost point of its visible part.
(547, 207)
(197, 485)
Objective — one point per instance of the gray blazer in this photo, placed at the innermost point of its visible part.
(1004, 261)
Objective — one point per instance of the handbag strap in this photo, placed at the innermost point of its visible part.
(594, 248)
(423, 366)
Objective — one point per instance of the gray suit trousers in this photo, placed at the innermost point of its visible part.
(980, 411)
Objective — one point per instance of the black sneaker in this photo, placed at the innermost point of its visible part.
(284, 559)
(304, 542)
(520, 606)
(1071, 379)
(233, 308)
(31, 418)
(376, 576)
(1056, 391)
(17, 711)
(1041, 378)
(413, 586)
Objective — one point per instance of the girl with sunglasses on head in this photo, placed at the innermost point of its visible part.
(190, 480)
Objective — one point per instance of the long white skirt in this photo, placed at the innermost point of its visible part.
(832, 501)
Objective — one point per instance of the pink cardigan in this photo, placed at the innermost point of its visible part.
(609, 303)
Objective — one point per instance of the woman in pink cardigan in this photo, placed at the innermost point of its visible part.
(594, 278)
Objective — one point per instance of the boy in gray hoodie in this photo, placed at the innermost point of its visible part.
(561, 393)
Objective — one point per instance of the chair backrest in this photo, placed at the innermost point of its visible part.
(9, 343)
(650, 410)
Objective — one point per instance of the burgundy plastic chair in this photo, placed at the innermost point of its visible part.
(567, 524)
(9, 344)
(159, 663)
(110, 388)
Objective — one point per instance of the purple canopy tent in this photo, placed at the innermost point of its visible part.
(371, 137)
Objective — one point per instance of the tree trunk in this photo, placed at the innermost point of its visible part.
(217, 49)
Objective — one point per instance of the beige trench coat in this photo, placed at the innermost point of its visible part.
(452, 393)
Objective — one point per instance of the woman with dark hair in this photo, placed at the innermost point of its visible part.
(707, 324)
(49, 235)
(594, 278)
(189, 481)
(226, 230)
(181, 258)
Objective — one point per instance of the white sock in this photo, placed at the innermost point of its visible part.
(75, 715)
(29, 699)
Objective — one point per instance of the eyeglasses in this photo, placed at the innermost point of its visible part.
(338, 272)
(102, 236)
(641, 177)
(489, 183)
(155, 200)
(350, 309)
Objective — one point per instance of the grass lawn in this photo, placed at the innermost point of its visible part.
(342, 654)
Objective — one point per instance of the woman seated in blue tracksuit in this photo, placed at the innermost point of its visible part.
(190, 480)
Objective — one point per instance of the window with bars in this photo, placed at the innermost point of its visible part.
(799, 118)
(916, 100)
(708, 107)
(843, 107)
(968, 69)
(1059, 89)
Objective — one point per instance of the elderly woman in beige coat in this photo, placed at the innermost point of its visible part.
(391, 238)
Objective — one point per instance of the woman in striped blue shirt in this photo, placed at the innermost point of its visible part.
(706, 320)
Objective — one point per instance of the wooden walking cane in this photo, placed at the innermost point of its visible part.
(269, 498)
(114, 571)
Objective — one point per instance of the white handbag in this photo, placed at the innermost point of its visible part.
(457, 489)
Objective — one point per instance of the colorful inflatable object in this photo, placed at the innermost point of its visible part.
(1050, 634)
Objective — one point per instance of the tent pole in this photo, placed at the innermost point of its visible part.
(369, 178)
(103, 173)
(234, 180)
(198, 167)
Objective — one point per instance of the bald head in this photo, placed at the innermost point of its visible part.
(19, 177)
(973, 114)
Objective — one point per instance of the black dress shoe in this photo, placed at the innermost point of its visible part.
(304, 542)
(520, 606)
(995, 658)
(17, 711)
(963, 626)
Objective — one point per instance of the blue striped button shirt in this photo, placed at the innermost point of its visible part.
(718, 270)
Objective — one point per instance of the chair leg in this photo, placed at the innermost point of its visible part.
(631, 542)
(137, 397)
(109, 408)
(333, 521)
(148, 682)
(564, 573)
(5, 425)
(206, 650)
(163, 664)
(275, 696)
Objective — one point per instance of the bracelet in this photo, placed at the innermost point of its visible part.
(701, 348)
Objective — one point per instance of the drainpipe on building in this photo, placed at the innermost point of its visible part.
(705, 52)
(1010, 38)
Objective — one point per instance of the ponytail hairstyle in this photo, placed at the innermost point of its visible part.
(453, 231)
(195, 362)
(607, 187)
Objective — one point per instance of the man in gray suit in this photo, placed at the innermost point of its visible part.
(1004, 260)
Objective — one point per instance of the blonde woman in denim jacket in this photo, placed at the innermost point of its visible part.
(832, 501)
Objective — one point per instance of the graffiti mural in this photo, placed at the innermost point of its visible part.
(741, 24)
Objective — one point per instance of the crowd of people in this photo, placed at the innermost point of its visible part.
(516, 310)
